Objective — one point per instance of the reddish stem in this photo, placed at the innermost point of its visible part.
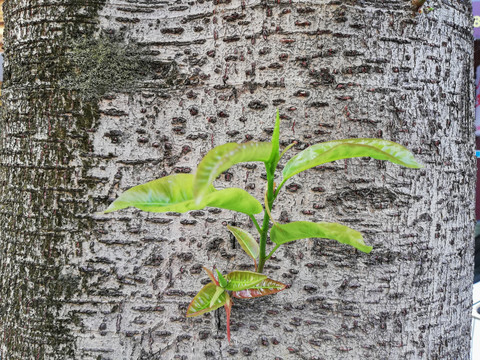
(228, 308)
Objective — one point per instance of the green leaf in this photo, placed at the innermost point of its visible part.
(240, 280)
(343, 149)
(218, 292)
(246, 241)
(274, 156)
(281, 234)
(233, 199)
(222, 158)
(263, 288)
(201, 302)
(175, 193)
(221, 280)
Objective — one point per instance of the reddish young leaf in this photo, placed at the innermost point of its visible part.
(211, 276)
(264, 288)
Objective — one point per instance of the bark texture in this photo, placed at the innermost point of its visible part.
(84, 286)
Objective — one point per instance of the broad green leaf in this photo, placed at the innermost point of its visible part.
(275, 155)
(221, 280)
(343, 149)
(201, 302)
(263, 288)
(233, 199)
(222, 158)
(281, 234)
(240, 280)
(175, 193)
(246, 241)
(218, 292)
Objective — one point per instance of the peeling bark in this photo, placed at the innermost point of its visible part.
(84, 286)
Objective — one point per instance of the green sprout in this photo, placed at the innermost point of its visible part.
(186, 192)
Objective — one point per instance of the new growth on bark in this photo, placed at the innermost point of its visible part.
(184, 193)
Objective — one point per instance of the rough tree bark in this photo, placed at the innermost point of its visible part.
(103, 95)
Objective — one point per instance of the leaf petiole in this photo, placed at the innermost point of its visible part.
(255, 223)
(278, 189)
(272, 252)
(287, 148)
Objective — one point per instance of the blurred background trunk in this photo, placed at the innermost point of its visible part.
(100, 96)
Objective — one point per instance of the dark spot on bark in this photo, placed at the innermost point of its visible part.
(318, 104)
(178, 120)
(114, 136)
(188, 222)
(264, 51)
(275, 66)
(310, 288)
(187, 256)
(202, 136)
(231, 58)
(305, 10)
(232, 133)
(284, 218)
(183, 337)
(277, 102)
(232, 38)
(293, 187)
(174, 292)
(174, 31)
(154, 259)
(203, 335)
(264, 341)
(182, 170)
(214, 245)
(257, 105)
(302, 93)
(179, 130)
(233, 17)
(127, 20)
(303, 23)
(178, 8)
(247, 351)
(159, 220)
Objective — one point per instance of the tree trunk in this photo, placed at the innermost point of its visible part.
(103, 95)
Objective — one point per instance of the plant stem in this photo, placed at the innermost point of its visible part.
(266, 222)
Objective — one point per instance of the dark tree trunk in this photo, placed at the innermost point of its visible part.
(101, 96)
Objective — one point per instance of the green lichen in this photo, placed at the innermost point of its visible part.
(100, 65)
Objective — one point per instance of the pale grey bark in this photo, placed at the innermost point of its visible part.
(117, 286)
